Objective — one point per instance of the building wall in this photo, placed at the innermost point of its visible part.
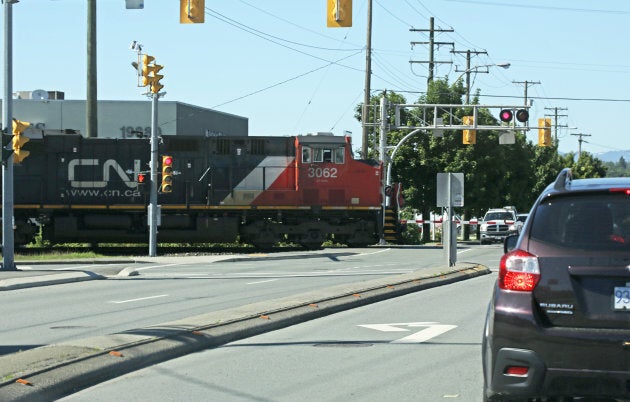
(126, 119)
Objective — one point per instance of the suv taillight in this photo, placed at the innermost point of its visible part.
(519, 270)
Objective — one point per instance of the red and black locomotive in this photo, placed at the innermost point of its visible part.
(258, 190)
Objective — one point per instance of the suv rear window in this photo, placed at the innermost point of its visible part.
(590, 221)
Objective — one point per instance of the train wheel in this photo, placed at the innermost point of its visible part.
(362, 239)
(313, 240)
(265, 239)
(24, 232)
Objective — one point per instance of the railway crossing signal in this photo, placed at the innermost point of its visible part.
(19, 139)
(167, 174)
(506, 115)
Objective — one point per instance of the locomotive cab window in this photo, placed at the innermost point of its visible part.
(339, 155)
(306, 155)
(325, 155)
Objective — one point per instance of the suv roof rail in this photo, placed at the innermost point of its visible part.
(563, 180)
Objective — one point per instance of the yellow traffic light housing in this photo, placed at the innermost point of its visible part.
(544, 132)
(156, 85)
(339, 13)
(167, 174)
(192, 11)
(150, 76)
(470, 136)
(19, 139)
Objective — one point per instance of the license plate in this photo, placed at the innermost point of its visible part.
(621, 298)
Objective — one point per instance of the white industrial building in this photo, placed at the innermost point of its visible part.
(48, 111)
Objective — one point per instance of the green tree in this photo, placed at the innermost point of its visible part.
(588, 166)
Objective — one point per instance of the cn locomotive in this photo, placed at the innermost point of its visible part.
(303, 189)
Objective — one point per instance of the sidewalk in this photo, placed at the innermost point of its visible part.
(28, 275)
(53, 371)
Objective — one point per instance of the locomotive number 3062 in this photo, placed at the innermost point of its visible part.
(318, 172)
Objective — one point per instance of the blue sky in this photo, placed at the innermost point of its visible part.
(276, 63)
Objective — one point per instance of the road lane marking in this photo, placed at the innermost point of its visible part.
(375, 252)
(431, 330)
(138, 299)
(255, 283)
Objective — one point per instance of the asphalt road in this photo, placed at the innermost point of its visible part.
(425, 346)
(291, 290)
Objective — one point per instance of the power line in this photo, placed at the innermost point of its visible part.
(582, 10)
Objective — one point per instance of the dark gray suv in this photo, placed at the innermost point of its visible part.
(558, 324)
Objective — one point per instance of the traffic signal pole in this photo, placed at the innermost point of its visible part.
(149, 77)
(8, 262)
(153, 208)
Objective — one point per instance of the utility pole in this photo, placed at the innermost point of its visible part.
(555, 115)
(91, 114)
(431, 44)
(368, 74)
(468, 69)
(580, 141)
(526, 84)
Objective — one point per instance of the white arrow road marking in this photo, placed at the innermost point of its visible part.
(432, 330)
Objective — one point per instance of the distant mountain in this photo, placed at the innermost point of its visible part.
(613, 156)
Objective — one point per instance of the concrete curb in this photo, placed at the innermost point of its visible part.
(54, 371)
(45, 280)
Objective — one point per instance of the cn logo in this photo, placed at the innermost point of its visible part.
(108, 166)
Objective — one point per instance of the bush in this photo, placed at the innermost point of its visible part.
(412, 234)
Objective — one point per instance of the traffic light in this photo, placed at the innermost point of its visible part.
(150, 74)
(339, 13)
(470, 136)
(156, 86)
(506, 115)
(19, 139)
(167, 174)
(141, 178)
(544, 132)
(192, 11)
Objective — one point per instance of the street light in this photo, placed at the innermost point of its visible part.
(475, 69)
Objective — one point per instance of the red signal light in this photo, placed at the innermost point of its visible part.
(506, 115)
(142, 177)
